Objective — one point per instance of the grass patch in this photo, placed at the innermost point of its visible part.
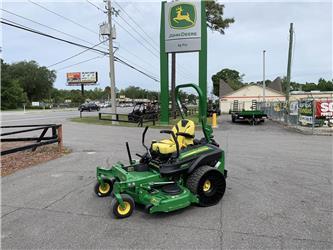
(96, 121)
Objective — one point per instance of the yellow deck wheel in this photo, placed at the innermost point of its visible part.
(124, 210)
(207, 186)
(105, 188)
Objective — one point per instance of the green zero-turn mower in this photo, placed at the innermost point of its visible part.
(172, 174)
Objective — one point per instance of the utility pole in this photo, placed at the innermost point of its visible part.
(263, 76)
(291, 33)
(173, 84)
(111, 59)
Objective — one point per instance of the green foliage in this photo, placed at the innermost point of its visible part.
(214, 14)
(232, 77)
(37, 82)
(139, 93)
(24, 81)
(12, 95)
(322, 85)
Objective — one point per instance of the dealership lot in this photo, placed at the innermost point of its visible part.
(279, 193)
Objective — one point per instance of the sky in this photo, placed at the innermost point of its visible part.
(260, 25)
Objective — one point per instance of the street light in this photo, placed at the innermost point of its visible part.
(263, 75)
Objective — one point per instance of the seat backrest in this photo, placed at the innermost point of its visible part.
(184, 126)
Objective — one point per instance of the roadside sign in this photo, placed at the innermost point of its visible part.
(78, 78)
(182, 26)
(324, 108)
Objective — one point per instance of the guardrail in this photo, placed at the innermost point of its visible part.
(56, 137)
(139, 119)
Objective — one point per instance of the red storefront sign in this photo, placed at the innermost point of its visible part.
(324, 108)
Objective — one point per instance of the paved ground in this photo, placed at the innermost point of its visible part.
(279, 195)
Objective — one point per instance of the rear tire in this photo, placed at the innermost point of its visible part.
(208, 184)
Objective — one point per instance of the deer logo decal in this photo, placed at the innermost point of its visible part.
(182, 16)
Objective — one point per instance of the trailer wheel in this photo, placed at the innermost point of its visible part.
(208, 184)
(104, 190)
(125, 211)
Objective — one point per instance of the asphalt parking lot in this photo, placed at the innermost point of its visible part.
(279, 195)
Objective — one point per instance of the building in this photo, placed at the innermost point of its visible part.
(246, 95)
(314, 94)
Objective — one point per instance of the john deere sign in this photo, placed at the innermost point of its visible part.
(182, 26)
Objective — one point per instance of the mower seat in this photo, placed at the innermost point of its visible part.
(168, 146)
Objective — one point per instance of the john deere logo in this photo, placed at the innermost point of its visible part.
(182, 16)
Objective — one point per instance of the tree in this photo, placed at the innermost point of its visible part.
(232, 77)
(324, 85)
(12, 95)
(37, 82)
(214, 15)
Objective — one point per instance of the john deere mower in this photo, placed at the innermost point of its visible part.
(172, 173)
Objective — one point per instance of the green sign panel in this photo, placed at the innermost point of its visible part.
(182, 16)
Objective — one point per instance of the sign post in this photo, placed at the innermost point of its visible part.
(183, 29)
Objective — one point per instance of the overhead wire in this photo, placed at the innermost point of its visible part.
(46, 26)
(62, 16)
(153, 51)
(75, 64)
(73, 43)
(181, 69)
(139, 26)
(75, 55)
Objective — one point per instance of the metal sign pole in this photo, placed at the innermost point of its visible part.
(203, 60)
(184, 29)
(164, 64)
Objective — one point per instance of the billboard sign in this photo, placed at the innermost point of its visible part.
(182, 26)
(78, 78)
(324, 108)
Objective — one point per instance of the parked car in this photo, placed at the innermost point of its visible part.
(88, 107)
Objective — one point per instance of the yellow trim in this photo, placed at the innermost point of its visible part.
(104, 189)
(195, 151)
(125, 210)
(207, 186)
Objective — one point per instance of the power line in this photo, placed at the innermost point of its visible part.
(143, 45)
(47, 35)
(76, 44)
(96, 6)
(181, 69)
(135, 30)
(66, 18)
(125, 63)
(138, 66)
(129, 16)
(66, 59)
(28, 19)
(69, 66)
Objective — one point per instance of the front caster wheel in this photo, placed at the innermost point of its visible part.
(123, 211)
(208, 184)
(105, 189)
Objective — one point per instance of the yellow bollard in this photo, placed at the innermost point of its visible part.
(214, 121)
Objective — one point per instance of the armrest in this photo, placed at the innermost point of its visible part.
(166, 132)
(186, 135)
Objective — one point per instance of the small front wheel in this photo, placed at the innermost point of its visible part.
(105, 189)
(123, 211)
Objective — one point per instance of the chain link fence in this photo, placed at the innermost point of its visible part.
(308, 115)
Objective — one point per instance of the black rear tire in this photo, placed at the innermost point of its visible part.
(208, 184)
